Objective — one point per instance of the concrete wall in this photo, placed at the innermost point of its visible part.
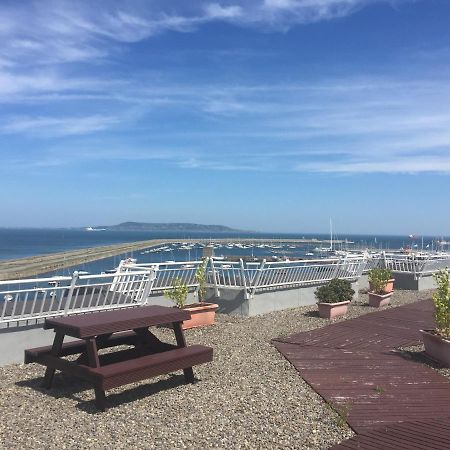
(363, 282)
(233, 301)
(14, 341)
(406, 281)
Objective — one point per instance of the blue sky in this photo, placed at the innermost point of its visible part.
(267, 115)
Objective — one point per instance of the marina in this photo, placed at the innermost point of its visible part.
(164, 248)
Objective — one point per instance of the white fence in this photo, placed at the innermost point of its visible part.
(417, 265)
(253, 277)
(35, 299)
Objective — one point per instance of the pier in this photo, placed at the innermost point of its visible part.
(35, 265)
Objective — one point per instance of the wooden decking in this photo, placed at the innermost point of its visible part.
(390, 401)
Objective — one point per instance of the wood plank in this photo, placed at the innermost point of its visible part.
(347, 362)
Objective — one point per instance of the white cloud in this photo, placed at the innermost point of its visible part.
(58, 126)
(49, 32)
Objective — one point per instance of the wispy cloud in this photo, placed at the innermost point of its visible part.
(58, 126)
(365, 124)
(59, 32)
(347, 124)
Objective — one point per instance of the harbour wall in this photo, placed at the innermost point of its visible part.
(34, 265)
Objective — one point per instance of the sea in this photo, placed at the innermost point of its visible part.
(21, 243)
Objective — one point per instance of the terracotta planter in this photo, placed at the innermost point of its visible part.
(378, 300)
(332, 310)
(388, 288)
(436, 347)
(202, 315)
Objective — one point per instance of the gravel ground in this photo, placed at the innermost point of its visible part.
(417, 353)
(248, 397)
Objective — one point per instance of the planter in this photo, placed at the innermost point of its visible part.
(378, 300)
(332, 310)
(436, 347)
(202, 315)
(388, 288)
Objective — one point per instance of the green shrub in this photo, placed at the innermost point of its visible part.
(441, 300)
(378, 279)
(200, 278)
(178, 292)
(335, 291)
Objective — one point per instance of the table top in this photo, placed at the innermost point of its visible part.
(98, 323)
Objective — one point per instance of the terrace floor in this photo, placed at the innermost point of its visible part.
(390, 400)
(248, 397)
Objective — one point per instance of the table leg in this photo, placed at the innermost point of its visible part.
(181, 342)
(145, 339)
(100, 398)
(92, 353)
(56, 348)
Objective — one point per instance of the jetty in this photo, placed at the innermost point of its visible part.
(35, 265)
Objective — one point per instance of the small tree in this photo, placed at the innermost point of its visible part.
(378, 278)
(335, 291)
(200, 278)
(178, 292)
(441, 300)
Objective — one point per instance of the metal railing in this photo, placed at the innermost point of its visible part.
(35, 299)
(417, 265)
(253, 277)
(166, 273)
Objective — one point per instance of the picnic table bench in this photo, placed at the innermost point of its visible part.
(149, 356)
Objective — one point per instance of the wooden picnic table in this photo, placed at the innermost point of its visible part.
(147, 358)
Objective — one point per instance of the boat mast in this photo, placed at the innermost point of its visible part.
(331, 235)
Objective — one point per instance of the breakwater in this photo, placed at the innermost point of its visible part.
(35, 265)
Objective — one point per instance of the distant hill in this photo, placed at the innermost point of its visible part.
(184, 227)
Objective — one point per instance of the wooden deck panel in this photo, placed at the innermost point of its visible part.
(390, 400)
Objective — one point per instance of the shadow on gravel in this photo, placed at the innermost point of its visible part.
(313, 313)
(70, 387)
(418, 356)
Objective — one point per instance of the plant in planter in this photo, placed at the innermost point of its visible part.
(178, 293)
(437, 341)
(200, 278)
(202, 314)
(381, 287)
(381, 279)
(334, 298)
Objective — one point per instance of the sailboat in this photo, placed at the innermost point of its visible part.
(328, 250)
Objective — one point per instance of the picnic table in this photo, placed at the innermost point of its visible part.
(148, 356)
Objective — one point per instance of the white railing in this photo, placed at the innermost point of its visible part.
(35, 299)
(417, 265)
(269, 275)
(131, 284)
(166, 273)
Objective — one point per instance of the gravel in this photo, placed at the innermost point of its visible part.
(248, 397)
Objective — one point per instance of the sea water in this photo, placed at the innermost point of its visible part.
(20, 243)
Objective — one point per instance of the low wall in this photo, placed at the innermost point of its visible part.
(233, 301)
(406, 281)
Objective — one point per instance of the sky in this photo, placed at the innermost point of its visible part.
(267, 115)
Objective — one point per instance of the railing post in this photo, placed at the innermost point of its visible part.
(213, 270)
(384, 260)
(336, 269)
(258, 277)
(116, 279)
(148, 286)
(244, 281)
(72, 286)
